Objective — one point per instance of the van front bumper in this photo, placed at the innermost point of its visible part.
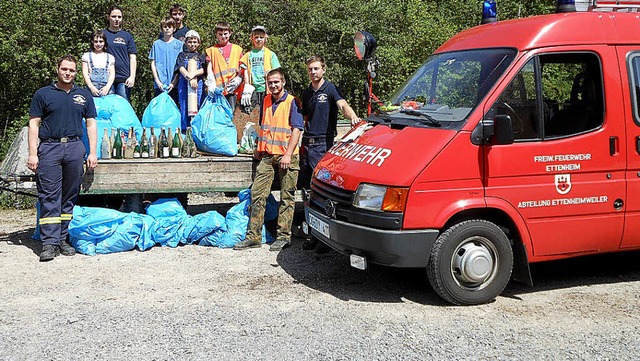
(396, 248)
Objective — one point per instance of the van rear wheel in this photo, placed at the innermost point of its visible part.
(470, 263)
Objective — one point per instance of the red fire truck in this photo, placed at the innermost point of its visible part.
(516, 142)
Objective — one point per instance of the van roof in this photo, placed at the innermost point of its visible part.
(577, 28)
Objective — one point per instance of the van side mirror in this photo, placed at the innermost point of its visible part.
(499, 128)
(503, 129)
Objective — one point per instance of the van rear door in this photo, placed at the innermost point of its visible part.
(565, 171)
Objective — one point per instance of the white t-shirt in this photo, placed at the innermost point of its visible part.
(99, 60)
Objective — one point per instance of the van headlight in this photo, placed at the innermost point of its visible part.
(381, 198)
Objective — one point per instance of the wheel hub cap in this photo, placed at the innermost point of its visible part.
(473, 263)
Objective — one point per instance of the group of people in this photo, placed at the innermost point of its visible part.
(293, 135)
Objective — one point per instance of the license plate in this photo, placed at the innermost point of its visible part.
(319, 225)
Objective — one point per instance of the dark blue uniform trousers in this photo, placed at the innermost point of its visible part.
(59, 175)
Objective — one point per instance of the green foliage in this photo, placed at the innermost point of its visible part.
(36, 33)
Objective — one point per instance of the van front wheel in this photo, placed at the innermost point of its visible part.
(470, 263)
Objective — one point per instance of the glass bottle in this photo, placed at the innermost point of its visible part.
(153, 145)
(144, 144)
(117, 146)
(175, 145)
(131, 144)
(164, 145)
(105, 148)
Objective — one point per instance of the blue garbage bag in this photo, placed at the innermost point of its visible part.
(162, 111)
(169, 217)
(166, 207)
(123, 116)
(106, 229)
(213, 128)
(237, 220)
(104, 107)
(125, 236)
(146, 239)
(202, 225)
(101, 125)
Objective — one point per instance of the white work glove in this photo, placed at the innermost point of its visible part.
(233, 84)
(247, 92)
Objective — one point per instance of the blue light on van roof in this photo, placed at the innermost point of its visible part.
(489, 12)
(566, 6)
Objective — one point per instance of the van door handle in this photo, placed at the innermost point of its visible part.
(638, 144)
(613, 145)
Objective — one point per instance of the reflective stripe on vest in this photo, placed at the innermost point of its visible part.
(223, 70)
(266, 65)
(275, 131)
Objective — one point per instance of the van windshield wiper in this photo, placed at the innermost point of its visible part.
(427, 119)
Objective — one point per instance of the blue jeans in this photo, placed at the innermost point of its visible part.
(122, 90)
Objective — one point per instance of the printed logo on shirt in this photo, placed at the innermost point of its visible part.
(79, 99)
(322, 98)
(119, 40)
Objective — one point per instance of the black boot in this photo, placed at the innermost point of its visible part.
(49, 252)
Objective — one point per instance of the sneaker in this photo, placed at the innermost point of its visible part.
(49, 252)
(66, 249)
(247, 244)
(310, 244)
(278, 245)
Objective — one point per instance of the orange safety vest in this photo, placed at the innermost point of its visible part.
(267, 65)
(275, 130)
(223, 70)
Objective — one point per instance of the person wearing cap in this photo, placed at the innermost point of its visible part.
(256, 63)
(187, 79)
(56, 153)
(223, 64)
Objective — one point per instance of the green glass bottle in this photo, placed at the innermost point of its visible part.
(117, 146)
(175, 145)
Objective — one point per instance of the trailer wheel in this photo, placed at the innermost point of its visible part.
(470, 263)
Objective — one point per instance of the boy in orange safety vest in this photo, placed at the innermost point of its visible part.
(277, 151)
(223, 64)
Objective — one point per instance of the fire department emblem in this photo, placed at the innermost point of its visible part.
(563, 183)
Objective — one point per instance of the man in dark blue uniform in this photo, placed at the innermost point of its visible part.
(320, 104)
(56, 124)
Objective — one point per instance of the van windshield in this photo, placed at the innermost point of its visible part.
(449, 85)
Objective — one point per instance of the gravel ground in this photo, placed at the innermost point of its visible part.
(201, 303)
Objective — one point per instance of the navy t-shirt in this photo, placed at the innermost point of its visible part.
(61, 113)
(120, 45)
(321, 111)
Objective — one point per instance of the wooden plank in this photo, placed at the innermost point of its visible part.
(203, 174)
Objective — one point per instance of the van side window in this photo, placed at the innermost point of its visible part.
(520, 102)
(572, 92)
(634, 70)
(572, 96)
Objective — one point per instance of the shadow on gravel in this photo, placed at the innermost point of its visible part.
(582, 271)
(23, 238)
(332, 274)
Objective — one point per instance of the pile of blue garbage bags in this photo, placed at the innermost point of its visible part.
(166, 223)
